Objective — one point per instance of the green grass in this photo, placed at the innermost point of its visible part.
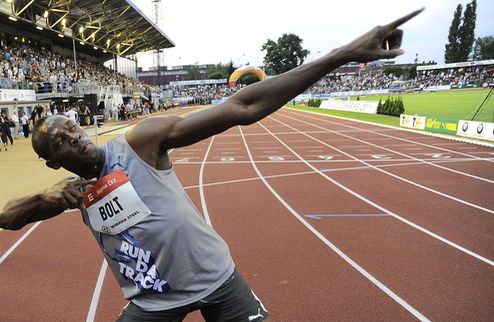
(456, 104)
(375, 118)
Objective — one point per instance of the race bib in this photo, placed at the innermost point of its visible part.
(113, 205)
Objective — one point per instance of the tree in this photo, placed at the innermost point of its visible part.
(484, 48)
(220, 71)
(395, 70)
(466, 32)
(412, 74)
(450, 54)
(192, 72)
(283, 55)
(248, 79)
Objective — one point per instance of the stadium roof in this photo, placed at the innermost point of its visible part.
(116, 26)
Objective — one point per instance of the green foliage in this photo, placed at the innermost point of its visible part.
(192, 72)
(395, 70)
(484, 48)
(380, 107)
(283, 55)
(392, 106)
(248, 79)
(451, 52)
(314, 102)
(216, 75)
(412, 73)
(220, 71)
(466, 32)
(461, 34)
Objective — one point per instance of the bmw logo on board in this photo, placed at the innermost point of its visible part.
(480, 128)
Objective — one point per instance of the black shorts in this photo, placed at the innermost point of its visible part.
(233, 301)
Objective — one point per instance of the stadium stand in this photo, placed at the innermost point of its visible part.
(52, 55)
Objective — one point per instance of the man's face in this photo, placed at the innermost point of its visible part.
(69, 144)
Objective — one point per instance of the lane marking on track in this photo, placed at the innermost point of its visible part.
(414, 225)
(319, 216)
(296, 173)
(329, 159)
(434, 155)
(350, 261)
(201, 185)
(390, 136)
(18, 242)
(97, 292)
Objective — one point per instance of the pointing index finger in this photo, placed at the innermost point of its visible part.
(398, 22)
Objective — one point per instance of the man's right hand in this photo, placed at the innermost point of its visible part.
(51, 202)
(381, 42)
(66, 194)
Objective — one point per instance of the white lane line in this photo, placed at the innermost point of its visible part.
(432, 160)
(97, 292)
(399, 153)
(218, 183)
(392, 137)
(418, 185)
(350, 261)
(201, 184)
(18, 242)
(428, 232)
(227, 149)
(297, 173)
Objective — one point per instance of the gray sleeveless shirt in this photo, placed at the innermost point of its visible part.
(172, 257)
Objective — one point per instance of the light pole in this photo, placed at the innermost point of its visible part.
(315, 55)
(174, 63)
(238, 60)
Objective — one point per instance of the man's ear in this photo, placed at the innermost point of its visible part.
(52, 164)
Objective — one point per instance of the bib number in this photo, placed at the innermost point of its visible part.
(113, 205)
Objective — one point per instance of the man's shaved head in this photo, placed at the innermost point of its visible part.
(40, 138)
(63, 143)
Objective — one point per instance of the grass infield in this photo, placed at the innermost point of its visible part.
(455, 104)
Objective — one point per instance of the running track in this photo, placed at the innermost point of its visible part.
(327, 219)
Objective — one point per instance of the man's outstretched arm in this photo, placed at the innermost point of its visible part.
(47, 204)
(263, 98)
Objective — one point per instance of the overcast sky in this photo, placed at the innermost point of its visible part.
(213, 31)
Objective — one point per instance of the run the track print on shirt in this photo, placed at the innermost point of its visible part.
(136, 265)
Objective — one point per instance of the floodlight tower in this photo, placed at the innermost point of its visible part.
(157, 22)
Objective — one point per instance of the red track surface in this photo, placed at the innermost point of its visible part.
(429, 255)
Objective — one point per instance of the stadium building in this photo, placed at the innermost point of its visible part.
(52, 54)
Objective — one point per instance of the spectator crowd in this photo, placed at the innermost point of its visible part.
(48, 71)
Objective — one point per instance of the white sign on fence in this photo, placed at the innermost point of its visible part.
(351, 106)
(21, 95)
(413, 121)
(473, 129)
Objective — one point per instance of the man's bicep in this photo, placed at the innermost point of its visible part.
(201, 125)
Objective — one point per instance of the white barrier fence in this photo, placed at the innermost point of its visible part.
(478, 130)
(351, 106)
